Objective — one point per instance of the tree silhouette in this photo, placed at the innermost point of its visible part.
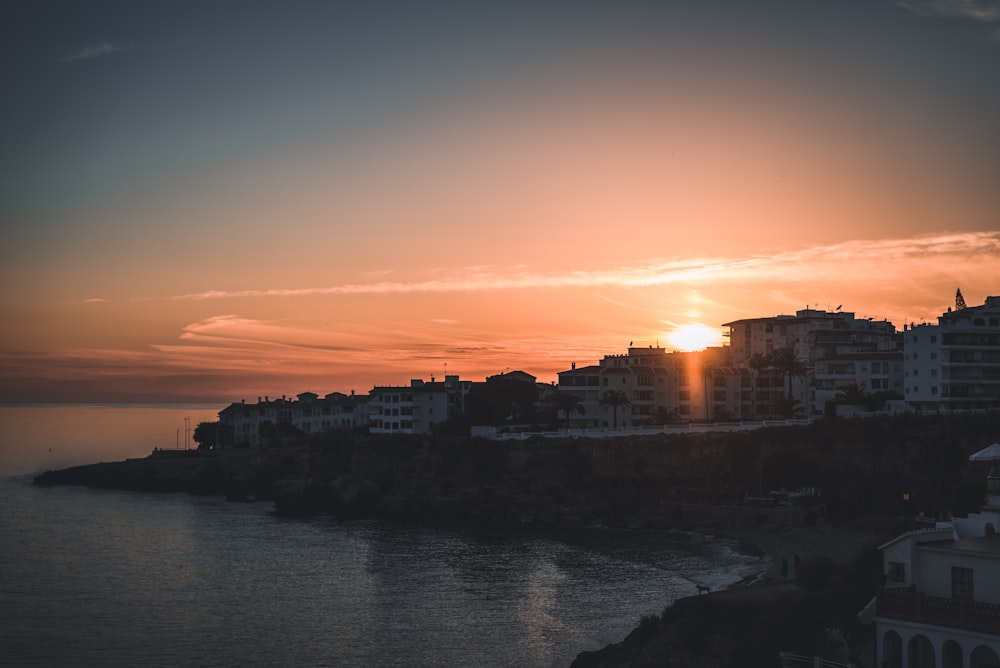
(664, 415)
(786, 363)
(757, 363)
(854, 395)
(568, 403)
(206, 435)
(615, 399)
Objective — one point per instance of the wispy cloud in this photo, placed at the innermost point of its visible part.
(978, 10)
(982, 11)
(96, 50)
(872, 258)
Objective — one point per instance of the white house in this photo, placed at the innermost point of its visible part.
(940, 605)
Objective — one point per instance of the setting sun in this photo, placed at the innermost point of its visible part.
(694, 337)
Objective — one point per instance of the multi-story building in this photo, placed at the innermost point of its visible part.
(659, 385)
(870, 372)
(251, 425)
(940, 605)
(416, 408)
(955, 364)
(838, 350)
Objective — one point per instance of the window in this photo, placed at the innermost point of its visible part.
(684, 395)
(897, 571)
(961, 583)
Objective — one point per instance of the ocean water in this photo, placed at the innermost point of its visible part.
(110, 578)
(36, 438)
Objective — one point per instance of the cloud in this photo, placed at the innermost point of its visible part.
(869, 258)
(96, 50)
(987, 11)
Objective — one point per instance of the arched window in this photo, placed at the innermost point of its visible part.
(921, 652)
(951, 655)
(984, 657)
(892, 650)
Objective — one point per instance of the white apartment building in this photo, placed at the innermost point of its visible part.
(955, 364)
(838, 348)
(872, 372)
(940, 605)
(250, 425)
(687, 386)
(416, 408)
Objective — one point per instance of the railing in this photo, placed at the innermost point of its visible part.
(907, 604)
(607, 432)
(802, 661)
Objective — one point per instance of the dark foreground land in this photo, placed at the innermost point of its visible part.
(860, 470)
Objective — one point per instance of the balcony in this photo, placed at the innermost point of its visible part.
(909, 605)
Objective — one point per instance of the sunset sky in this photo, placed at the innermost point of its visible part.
(210, 201)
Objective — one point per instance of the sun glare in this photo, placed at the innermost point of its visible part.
(694, 337)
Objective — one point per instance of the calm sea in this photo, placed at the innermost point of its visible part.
(108, 578)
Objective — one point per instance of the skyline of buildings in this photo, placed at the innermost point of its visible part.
(810, 364)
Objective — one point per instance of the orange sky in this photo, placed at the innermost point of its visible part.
(192, 212)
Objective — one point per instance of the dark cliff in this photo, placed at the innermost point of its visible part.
(860, 466)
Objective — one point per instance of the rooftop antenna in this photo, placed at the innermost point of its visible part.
(959, 300)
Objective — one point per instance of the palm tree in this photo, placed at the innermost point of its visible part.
(615, 399)
(663, 415)
(854, 395)
(568, 403)
(785, 362)
(757, 363)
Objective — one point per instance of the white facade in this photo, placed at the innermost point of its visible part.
(940, 605)
(955, 364)
(871, 372)
(838, 349)
(251, 425)
(684, 385)
(922, 375)
(417, 408)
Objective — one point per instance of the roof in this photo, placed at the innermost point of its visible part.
(927, 534)
(985, 545)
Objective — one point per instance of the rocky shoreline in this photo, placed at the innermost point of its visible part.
(687, 482)
(646, 485)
